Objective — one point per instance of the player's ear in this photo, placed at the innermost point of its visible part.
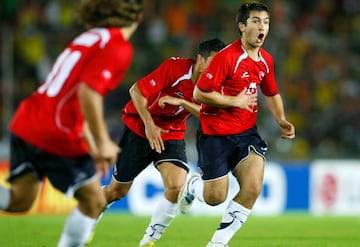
(241, 27)
(201, 62)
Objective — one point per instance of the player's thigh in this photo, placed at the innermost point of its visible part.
(215, 191)
(25, 175)
(250, 173)
(173, 175)
(173, 167)
(136, 154)
(24, 190)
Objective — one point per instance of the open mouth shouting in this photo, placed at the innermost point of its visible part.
(260, 38)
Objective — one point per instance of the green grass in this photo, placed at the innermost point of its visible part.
(124, 230)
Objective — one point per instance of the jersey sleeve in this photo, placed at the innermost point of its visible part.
(268, 85)
(154, 82)
(212, 78)
(106, 68)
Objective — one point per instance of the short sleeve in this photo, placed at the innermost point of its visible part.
(154, 82)
(268, 85)
(106, 68)
(212, 78)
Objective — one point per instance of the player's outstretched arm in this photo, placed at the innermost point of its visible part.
(103, 149)
(276, 107)
(152, 132)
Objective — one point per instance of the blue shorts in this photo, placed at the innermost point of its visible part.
(65, 174)
(136, 154)
(220, 154)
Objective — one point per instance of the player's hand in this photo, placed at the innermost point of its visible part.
(102, 168)
(287, 129)
(153, 134)
(246, 101)
(169, 100)
(105, 156)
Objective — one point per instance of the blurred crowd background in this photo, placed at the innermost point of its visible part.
(315, 45)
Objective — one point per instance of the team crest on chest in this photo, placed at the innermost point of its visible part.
(261, 75)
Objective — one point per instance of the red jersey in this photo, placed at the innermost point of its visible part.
(230, 71)
(51, 118)
(173, 78)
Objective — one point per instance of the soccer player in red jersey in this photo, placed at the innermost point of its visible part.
(59, 131)
(228, 139)
(155, 124)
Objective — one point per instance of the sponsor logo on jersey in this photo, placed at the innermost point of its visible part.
(252, 88)
(152, 82)
(209, 76)
(245, 74)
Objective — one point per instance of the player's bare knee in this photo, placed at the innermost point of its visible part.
(174, 188)
(19, 208)
(172, 193)
(252, 192)
(115, 194)
(98, 206)
(21, 203)
(255, 190)
(214, 199)
(93, 207)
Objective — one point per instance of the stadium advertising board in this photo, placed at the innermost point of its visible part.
(322, 187)
(286, 188)
(335, 187)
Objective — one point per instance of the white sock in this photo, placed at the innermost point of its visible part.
(77, 229)
(196, 187)
(4, 198)
(161, 218)
(234, 217)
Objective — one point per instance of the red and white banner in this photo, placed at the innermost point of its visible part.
(335, 187)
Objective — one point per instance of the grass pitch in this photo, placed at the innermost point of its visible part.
(124, 230)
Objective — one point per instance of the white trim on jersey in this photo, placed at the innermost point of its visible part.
(187, 76)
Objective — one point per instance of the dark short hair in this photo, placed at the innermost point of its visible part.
(108, 13)
(209, 45)
(244, 11)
